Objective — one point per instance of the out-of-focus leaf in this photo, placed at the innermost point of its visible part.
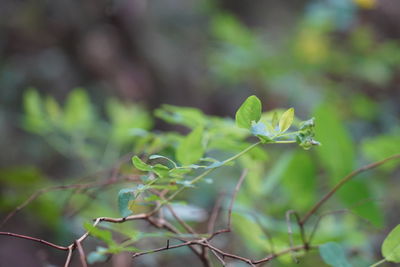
(104, 235)
(357, 195)
(163, 157)
(333, 254)
(276, 173)
(34, 120)
(391, 245)
(286, 120)
(53, 110)
(190, 149)
(125, 196)
(140, 165)
(337, 152)
(300, 176)
(248, 112)
(383, 146)
(260, 130)
(337, 155)
(97, 256)
(255, 239)
(187, 116)
(78, 112)
(125, 119)
(160, 170)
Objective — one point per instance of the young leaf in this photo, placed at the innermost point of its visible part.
(125, 196)
(140, 165)
(274, 121)
(248, 112)
(190, 150)
(286, 120)
(163, 157)
(259, 129)
(160, 170)
(333, 254)
(391, 245)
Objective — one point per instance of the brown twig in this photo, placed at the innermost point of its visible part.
(228, 227)
(35, 240)
(81, 254)
(342, 182)
(214, 214)
(238, 185)
(69, 256)
(56, 188)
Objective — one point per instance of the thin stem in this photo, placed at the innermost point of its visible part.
(342, 182)
(286, 134)
(378, 263)
(69, 256)
(36, 240)
(238, 185)
(284, 142)
(241, 153)
(199, 177)
(82, 256)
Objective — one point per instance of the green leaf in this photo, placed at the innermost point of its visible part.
(286, 120)
(53, 109)
(337, 141)
(274, 121)
(78, 112)
(333, 254)
(259, 129)
(300, 176)
(125, 196)
(140, 165)
(160, 170)
(163, 157)
(248, 112)
(190, 117)
(34, 120)
(190, 149)
(382, 146)
(101, 234)
(391, 245)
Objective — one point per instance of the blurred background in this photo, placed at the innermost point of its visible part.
(337, 60)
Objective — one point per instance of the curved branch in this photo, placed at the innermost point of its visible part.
(342, 182)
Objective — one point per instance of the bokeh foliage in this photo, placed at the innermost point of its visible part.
(328, 65)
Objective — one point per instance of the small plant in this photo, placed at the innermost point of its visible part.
(168, 165)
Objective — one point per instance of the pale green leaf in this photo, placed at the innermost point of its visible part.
(140, 165)
(286, 120)
(190, 149)
(274, 121)
(248, 112)
(78, 111)
(391, 245)
(104, 235)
